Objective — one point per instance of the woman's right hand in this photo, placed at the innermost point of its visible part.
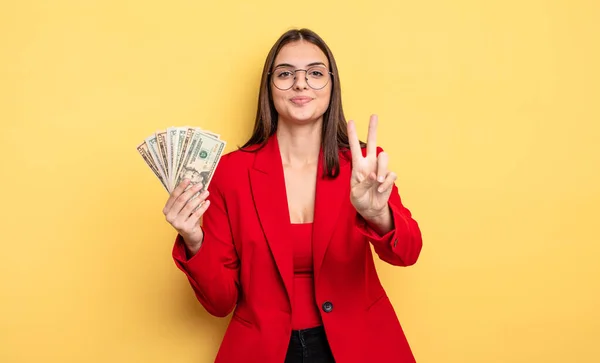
(179, 212)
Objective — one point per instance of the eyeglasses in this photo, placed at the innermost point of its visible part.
(317, 77)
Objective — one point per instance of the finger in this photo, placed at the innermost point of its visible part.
(388, 183)
(175, 194)
(372, 136)
(181, 201)
(195, 217)
(193, 204)
(382, 166)
(353, 141)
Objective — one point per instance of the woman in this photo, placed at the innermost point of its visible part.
(288, 224)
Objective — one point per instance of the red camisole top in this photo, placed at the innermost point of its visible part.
(305, 312)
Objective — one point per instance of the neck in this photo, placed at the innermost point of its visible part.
(299, 144)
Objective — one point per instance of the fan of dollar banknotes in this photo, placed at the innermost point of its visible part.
(179, 153)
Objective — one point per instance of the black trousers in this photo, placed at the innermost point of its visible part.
(309, 346)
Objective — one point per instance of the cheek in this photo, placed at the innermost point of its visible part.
(278, 100)
(324, 98)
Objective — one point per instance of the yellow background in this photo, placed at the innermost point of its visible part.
(489, 110)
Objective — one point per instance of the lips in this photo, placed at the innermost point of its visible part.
(300, 100)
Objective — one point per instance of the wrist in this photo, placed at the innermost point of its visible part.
(381, 222)
(191, 250)
(193, 244)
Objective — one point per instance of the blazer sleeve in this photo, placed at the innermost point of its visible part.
(402, 245)
(213, 271)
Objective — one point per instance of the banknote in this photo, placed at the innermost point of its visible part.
(161, 143)
(152, 146)
(183, 152)
(202, 160)
(171, 142)
(145, 153)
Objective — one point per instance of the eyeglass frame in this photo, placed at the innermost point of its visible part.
(330, 73)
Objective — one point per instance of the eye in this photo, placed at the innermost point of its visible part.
(283, 74)
(316, 73)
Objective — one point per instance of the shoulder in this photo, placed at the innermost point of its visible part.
(233, 165)
(238, 158)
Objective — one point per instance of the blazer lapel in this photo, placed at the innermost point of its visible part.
(331, 195)
(267, 183)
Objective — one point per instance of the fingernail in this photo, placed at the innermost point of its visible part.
(380, 190)
(380, 179)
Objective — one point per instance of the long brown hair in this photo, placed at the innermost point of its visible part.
(334, 135)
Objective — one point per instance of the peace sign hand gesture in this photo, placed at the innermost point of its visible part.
(371, 183)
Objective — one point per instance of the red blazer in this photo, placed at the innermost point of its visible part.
(245, 263)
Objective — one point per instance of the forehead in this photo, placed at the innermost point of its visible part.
(299, 54)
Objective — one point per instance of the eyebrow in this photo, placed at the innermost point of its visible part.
(307, 66)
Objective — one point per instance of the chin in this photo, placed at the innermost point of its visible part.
(304, 118)
(304, 115)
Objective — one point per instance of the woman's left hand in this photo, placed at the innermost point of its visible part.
(371, 183)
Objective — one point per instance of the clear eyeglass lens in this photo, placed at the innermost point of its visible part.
(316, 77)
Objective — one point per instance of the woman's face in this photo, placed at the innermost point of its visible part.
(300, 104)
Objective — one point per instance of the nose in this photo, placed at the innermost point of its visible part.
(300, 79)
